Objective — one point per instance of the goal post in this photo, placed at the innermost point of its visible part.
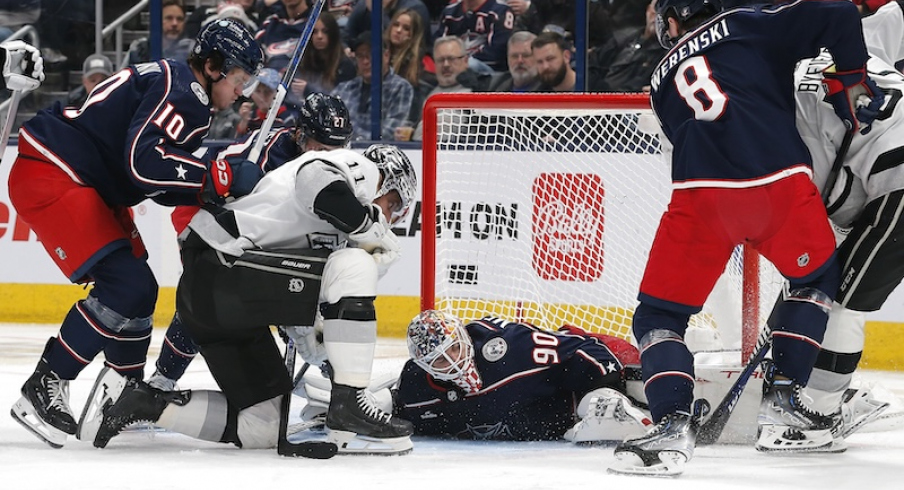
(542, 208)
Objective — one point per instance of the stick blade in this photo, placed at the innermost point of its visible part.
(307, 449)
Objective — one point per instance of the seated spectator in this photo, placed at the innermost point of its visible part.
(175, 44)
(251, 15)
(540, 14)
(397, 94)
(95, 69)
(279, 35)
(552, 54)
(405, 37)
(484, 25)
(626, 62)
(252, 113)
(522, 73)
(324, 64)
(14, 14)
(359, 19)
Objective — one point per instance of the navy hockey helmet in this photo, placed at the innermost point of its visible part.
(440, 345)
(324, 118)
(231, 40)
(681, 10)
(398, 174)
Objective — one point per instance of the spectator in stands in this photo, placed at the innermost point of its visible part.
(485, 26)
(396, 94)
(324, 64)
(522, 73)
(552, 54)
(14, 14)
(95, 69)
(66, 30)
(541, 14)
(252, 113)
(626, 62)
(251, 15)
(279, 34)
(407, 57)
(359, 20)
(175, 45)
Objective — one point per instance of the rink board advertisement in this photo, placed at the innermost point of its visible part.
(532, 228)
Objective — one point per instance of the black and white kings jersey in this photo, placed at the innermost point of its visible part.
(279, 212)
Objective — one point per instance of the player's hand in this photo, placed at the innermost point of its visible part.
(309, 343)
(376, 237)
(23, 67)
(226, 181)
(855, 97)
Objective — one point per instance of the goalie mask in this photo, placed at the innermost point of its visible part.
(397, 175)
(681, 10)
(439, 344)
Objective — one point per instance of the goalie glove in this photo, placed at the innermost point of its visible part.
(23, 67)
(375, 237)
(309, 342)
(855, 97)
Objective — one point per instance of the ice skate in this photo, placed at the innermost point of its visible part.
(358, 426)
(607, 415)
(786, 424)
(858, 408)
(43, 408)
(663, 451)
(116, 402)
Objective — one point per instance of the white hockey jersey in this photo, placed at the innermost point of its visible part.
(875, 170)
(279, 212)
(882, 32)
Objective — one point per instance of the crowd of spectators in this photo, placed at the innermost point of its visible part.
(429, 46)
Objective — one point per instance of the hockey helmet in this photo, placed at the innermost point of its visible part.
(230, 39)
(680, 10)
(439, 344)
(324, 118)
(398, 174)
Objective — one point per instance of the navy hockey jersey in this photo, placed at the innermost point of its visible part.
(532, 381)
(485, 31)
(134, 136)
(725, 94)
(279, 38)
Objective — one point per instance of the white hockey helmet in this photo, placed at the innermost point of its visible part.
(439, 344)
(398, 175)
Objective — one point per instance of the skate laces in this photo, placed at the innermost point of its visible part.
(59, 393)
(369, 407)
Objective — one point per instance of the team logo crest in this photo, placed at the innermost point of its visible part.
(452, 395)
(200, 93)
(495, 349)
(60, 253)
(803, 260)
(296, 285)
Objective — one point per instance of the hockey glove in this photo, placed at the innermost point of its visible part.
(855, 97)
(226, 181)
(375, 236)
(23, 67)
(309, 342)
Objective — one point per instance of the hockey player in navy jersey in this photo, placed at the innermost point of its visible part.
(495, 379)
(324, 125)
(22, 66)
(305, 248)
(78, 171)
(741, 174)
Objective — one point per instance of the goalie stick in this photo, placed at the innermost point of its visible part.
(305, 449)
(281, 91)
(10, 120)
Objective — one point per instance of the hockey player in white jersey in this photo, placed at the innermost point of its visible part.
(310, 241)
(882, 33)
(865, 203)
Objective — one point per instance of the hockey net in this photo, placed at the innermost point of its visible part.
(546, 206)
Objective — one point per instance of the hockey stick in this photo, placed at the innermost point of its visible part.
(283, 88)
(10, 120)
(836, 166)
(305, 449)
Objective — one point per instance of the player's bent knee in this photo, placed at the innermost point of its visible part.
(258, 425)
(113, 320)
(649, 318)
(348, 272)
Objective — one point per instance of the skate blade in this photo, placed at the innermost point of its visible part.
(671, 465)
(774, 439)
(870, 417)
(107, 387)
(24, 413)
(352, 443)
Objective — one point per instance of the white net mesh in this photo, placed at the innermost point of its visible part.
(547, 216)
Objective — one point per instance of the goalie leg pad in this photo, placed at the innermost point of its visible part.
(607, 415)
